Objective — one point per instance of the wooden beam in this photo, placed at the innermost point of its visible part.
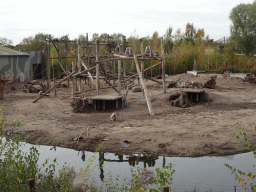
(48, 48)
(153, 66)
(89, 73)
(142, 62)
(163, 64)
(58, 51)
(105, 79)
(119, 77)
(67, 60)
(62, 67)
(151, 112)
(97, 67)
(73, 74)
(54, 86)
(91, 89)
(72, 80)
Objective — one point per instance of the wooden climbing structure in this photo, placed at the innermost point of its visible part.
(95, 60)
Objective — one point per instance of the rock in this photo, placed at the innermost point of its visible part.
(38, 87)
(137, 89)
(205, 96)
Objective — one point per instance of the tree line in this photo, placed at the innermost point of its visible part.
(183, 48)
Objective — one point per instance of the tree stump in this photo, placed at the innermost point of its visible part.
(81, 106)
(180, 99)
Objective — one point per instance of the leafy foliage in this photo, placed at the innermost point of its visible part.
(244, 177)
(243, 28)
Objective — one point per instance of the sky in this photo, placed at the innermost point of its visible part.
(21, 19)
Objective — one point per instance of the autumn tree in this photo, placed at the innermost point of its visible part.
(190, 32)
(5, 42)
(243, 27)
(168, 40)
(36, 43)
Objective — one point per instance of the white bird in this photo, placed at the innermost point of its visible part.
(113, 117)
(40, 92)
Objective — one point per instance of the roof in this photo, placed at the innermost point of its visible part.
(5, 51)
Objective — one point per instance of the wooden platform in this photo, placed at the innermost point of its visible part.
(193, 94)
(105, 102)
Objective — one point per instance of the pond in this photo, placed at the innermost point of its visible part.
(202, 173)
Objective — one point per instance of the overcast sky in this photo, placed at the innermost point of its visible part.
(20, 19)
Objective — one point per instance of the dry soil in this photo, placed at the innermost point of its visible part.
(203, 129)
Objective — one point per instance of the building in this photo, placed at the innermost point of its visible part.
(28, 65)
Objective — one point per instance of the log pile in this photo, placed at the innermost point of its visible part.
(251, 78)
(180, 99)
(211, 83)
(81, 105)
(34, 87)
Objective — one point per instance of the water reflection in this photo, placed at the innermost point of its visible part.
(204, 172)
(133, 160)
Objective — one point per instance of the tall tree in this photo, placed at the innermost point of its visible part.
(243, 28)
(5, 42)
(178, 37)
(36, 43)
(168, 40)
(190, 32)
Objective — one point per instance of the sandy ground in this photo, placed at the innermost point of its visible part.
(203, 129)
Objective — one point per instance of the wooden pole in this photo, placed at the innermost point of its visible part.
(151, 112)
(53, 87)
(48, 64)
(163, 65)
(114, 71)
(124, 71)
(67, 61)
(88, 57)
(142, 62)
(79, 63)
(72, 80)
(73, 74)
(119, 75)
(97, 68)
(62, 67)
(105, 79)
(58, 51)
